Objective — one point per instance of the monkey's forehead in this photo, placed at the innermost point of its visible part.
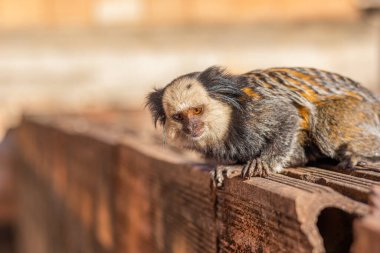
(184, 93)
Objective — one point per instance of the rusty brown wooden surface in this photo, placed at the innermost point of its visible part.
(367, 229)
(104, 183)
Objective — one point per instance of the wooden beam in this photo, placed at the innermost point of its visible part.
(104, 182)
(367, 229)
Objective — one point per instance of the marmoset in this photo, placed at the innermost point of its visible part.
(270, 119)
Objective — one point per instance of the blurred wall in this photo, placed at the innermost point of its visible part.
(54, 13)
(73, 54)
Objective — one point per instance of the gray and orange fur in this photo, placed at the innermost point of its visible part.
(270, 119)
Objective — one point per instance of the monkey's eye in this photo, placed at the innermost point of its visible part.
(177, 117)
(197, 110)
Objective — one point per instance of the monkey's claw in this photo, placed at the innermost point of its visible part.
(217, 177)
(255, 168)
(221, 172)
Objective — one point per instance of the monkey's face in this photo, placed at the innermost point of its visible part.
(193, 118)
(195, 109)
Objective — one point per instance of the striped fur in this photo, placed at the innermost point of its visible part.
(309, 83)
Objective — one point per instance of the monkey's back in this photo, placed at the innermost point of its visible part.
(304, 85)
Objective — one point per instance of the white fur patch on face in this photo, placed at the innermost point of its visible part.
(188, 93)
(183, 94)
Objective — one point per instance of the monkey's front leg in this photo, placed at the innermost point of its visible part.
(284, 149)
(256, 168)
(289, 152)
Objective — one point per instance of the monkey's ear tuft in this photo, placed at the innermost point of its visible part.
(211, 73)
(154, 103)
(223, 86)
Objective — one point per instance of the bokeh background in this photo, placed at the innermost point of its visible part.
(83, 55)
(75, 54)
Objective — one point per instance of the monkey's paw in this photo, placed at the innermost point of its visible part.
(255, 168)
(349, 163)
(221, 172)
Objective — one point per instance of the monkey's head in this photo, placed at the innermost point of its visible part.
(196, 109)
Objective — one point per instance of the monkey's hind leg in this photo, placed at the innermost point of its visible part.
(363, 150)
(348, 130)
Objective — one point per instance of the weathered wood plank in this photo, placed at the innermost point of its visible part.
(65, 190)
(354, 187)
(367, 229)
(106, 184)
(277, 214)
(370, 171)
(165, 206)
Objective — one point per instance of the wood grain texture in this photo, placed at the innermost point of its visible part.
(367, 229)
(104, 183)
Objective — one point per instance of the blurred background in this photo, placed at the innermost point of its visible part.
(75, 55)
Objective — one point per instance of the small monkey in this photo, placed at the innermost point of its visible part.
(270, 119)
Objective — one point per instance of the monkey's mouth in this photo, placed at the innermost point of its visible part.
(196, 135)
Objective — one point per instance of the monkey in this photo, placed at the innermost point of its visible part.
(270, 119)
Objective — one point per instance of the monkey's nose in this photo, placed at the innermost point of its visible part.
(195, 130)
(187, 130)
